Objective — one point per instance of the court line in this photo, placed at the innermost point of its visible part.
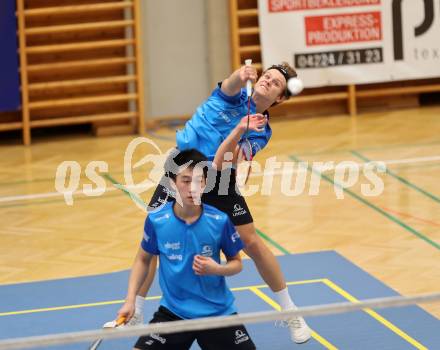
(271, 241)
(397, 161)
(411, 216)
(320, 339)
(372, 206)
(401, 179)
(351, 298)
(372, 148)
(332, 285)
(42, 195)
(57, 201)
(410, 167)
(46, 179)
(113, 302)
(375, 315)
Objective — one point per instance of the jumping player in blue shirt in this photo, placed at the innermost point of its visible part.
(188, 237)
(210, 125)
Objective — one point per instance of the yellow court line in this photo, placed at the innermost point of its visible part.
(112, 302)
(375, 315)
(326, 281)
(277, 307)
(67, 307)
(316, 280)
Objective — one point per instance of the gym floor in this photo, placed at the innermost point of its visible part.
(393, 237)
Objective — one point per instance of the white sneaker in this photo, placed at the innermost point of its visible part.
(135, 320)
(299, 330)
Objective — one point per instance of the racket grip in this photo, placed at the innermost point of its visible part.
(248, 62)
(120, 320)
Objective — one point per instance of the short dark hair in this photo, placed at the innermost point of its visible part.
(192, 157)
(287, 71)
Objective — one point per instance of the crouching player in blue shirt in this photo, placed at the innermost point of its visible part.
(188, 237)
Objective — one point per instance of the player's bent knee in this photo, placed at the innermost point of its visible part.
(247, 233)
(254, 247)
(251, 243)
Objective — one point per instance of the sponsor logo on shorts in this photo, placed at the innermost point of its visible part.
(149, 342)
(175, 257)
(160, 200)
(173, 246)
(235, 236)
(169, 192)
(240, 336)
(158, 338)
(238, 210)
(206, 250)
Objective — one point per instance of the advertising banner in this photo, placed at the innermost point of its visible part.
(340, 42)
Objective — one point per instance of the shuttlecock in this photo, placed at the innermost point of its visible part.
(295, 86)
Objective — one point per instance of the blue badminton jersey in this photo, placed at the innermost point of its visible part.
(214, 120)
(184, 293)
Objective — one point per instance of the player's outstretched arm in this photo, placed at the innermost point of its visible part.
(138, 274)
(232, 85)
(230, 144)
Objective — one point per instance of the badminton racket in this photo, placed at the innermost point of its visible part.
(244, 157)
(108, 325)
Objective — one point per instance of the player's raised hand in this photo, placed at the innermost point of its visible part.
(257, 122)
(248, 73)
(203, 265)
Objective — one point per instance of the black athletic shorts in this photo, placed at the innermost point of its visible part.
(224, 196)
(235, 337)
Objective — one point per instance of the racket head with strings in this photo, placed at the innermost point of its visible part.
(244, 162)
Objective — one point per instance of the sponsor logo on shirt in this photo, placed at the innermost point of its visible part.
(214, 216)
(238, 210)
(235, 236)
(225, 117)
(173, 246)
(146, 237)
(256, 147)
(175, 257)
(206, 250)
(165, 216)
(240, 336)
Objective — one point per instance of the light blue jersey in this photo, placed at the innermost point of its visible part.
(184, 293)
(214, 120)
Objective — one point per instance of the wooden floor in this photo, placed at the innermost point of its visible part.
(394, 236)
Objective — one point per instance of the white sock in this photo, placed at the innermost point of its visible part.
(284, 299)
(139, 304)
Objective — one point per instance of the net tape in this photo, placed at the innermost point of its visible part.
(212, 322)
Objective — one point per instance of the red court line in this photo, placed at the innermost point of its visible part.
(411, 216)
